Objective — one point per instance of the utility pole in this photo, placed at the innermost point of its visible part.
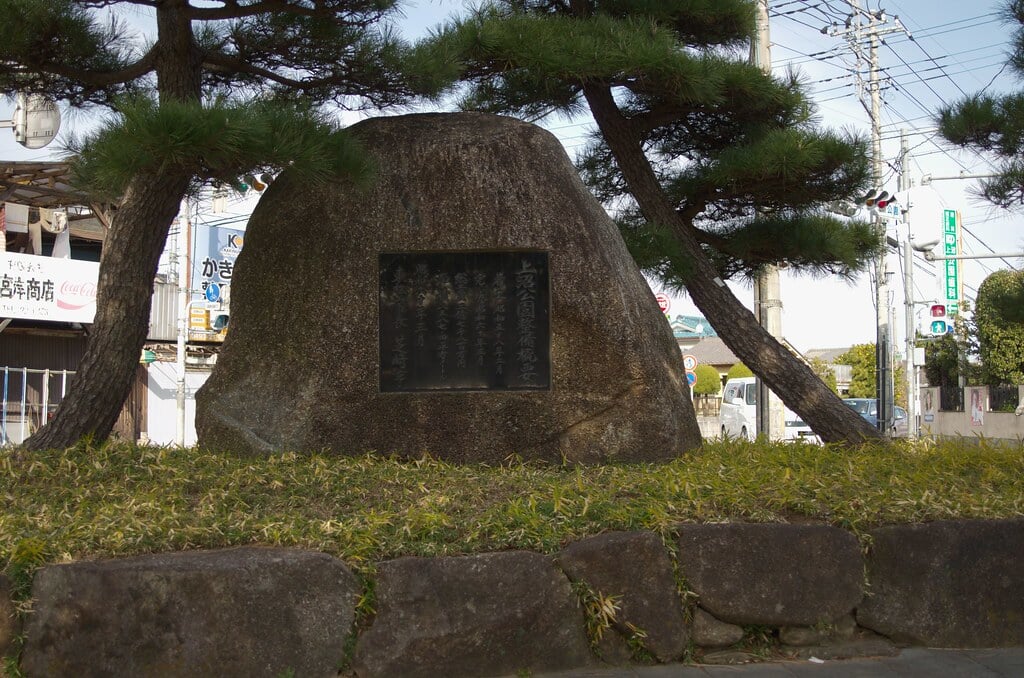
(771, 419)
(870, 26)
(908, 296)
(184, 230)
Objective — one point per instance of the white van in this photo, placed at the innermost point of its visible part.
(738, 416)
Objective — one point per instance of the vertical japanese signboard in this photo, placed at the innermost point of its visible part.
(951, 244)
(214, 260)
(214, 251)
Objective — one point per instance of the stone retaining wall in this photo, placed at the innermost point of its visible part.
(287, 612)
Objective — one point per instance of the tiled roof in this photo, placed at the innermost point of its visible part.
(712, 351)
(829, 355)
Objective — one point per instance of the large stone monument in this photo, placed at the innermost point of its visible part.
(474, 302)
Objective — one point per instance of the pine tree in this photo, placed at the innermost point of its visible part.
(718, 168)
(226, 87)
(994, 125)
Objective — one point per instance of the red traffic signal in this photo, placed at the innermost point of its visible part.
(876, 199)
(938, 310)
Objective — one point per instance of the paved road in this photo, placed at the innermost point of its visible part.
(910, 663)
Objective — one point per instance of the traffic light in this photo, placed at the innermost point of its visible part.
(256, 183)
(877, 200)
(938, 323)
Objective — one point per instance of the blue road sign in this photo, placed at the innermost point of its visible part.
(213, 292)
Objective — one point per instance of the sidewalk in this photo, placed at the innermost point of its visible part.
(910, 663)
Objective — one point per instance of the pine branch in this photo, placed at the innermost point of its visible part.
(368, 11)
(214, 143)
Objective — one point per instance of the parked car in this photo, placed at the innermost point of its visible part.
(868, 408)
(738, 415)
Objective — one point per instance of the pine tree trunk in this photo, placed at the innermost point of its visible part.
(131, 254)
(788, 377)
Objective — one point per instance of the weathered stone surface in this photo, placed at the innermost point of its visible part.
(711, 632)
(841, 629)
(729, 658)
(845, 627)
(635, 568)
(300, 367)
(484, 615)
(777, 575)
(947, 584)
(863, 645)
(9, 624)
(238, 612)
(802, 635)
(612, 648)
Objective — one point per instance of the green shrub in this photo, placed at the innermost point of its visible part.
(708, 382)
(739, 370)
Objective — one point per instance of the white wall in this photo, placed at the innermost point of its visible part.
(162, 404)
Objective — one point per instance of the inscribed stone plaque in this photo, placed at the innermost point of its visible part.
(464, 321)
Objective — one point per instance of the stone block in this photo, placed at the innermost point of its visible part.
(947, 583)
(242, 612)
(710, 632)
(635, 568)
(772, 574)
(474, 616)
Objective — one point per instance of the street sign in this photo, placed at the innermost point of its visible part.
(689, 362)
(664, 303)
(951, 246)
(691, 378)
(213, 292)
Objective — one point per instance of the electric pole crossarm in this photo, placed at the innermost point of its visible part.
(995, 255)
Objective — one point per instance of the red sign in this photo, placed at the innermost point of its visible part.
(664, 303)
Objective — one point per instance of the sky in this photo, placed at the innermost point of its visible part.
(957, 49)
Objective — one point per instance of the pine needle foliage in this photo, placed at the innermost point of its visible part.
(218, 141)
(35, 34)
(726, 139)
(994, 124)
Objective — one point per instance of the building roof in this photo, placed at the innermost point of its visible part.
(691, 326)
(829, 355)
(712, 351)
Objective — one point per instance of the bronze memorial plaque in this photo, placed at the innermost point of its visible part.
(464, 321)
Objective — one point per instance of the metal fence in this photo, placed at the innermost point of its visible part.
(29, 399)
(951, 399)
(707, 405)
(1003, 398)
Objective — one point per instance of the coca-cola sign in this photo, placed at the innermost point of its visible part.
(44, 288)
(76, 294)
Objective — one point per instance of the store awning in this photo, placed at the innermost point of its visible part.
(45, 185)
(38, 184)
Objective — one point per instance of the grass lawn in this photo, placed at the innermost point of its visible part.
(119, 499)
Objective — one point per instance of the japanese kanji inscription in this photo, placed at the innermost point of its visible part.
(464, 321)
